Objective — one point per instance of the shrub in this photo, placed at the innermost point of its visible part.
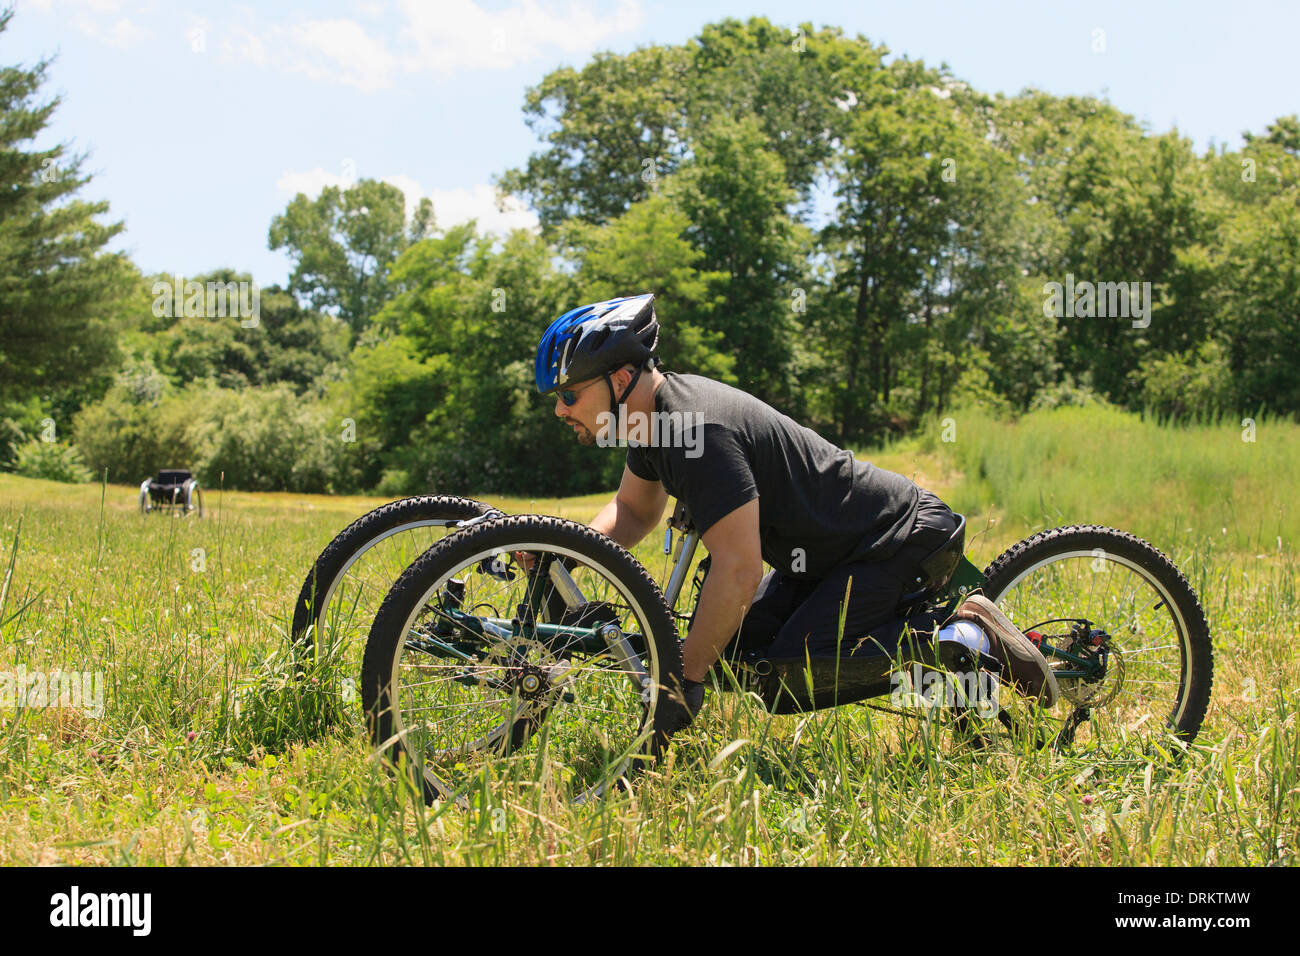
(1192, 385)
(133, 439)
(266, 439)
(53, 461)
(1065, 394)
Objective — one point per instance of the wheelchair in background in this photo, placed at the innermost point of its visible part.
(174, 490)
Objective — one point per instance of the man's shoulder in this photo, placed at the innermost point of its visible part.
(731, 408)
(683, 391)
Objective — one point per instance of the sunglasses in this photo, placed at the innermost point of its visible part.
(570, 396)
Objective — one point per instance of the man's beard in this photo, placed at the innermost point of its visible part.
(585, 437)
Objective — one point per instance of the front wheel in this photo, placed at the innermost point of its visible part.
(1123, 631)
(471, 655)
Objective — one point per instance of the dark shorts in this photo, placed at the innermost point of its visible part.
(791, 616)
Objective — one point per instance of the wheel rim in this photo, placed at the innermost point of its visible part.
(597, 711)
(1143, 696)
(353, 596)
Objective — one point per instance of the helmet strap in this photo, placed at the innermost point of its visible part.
(609, 383)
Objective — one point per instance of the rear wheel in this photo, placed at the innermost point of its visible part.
(470, 654)
(193, 498)
(1134, 664)
(348, 581)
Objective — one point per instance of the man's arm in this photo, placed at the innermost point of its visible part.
(735, 572)
(633, 512)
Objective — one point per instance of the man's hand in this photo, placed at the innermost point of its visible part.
(526, 559)
(692, 694)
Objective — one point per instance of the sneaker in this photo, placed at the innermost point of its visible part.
(1023, 665)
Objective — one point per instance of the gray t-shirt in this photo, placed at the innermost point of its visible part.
(716, 448)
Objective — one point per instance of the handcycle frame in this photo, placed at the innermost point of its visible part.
(784, 686)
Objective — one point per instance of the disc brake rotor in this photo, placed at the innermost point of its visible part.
(1096, 692)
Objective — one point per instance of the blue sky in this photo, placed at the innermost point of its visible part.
(203, 119)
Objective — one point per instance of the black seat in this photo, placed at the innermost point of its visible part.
(173, 476)
(169, 485)
(937, 570)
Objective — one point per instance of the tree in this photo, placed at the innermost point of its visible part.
(779, 78)
(647, 250)
(734, 197)
(612, 129)
(343, 244)
(1111, 204)
(894, 223)
(1256, 262)
(621, 124)
(61, 294)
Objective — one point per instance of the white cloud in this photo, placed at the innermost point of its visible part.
(341, 51)
(98, 6)
(456, 34)
(450, 206)
(310, 182)
(440, 38)
(123, 33)
(409, 36)
(120, 33)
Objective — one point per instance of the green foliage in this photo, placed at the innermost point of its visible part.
(1195, 385)
(12, 436)
(59, 291)
(1065, 394)
(53, 461)
(133, 438)
(343, 243)
(255, 438)
(646, 249)
(611, 129)
(282, 342)
(733, 199)
(1106, 465)
(266, 439)
(399, 357)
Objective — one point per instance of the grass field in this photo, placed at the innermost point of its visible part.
(180, 615)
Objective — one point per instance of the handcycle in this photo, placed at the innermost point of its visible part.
(572, 665)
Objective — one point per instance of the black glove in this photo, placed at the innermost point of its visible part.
(694, 692)
(681, 717)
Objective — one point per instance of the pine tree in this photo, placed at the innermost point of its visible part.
(60, 293)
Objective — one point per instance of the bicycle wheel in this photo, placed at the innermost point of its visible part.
(1130, 642)
(348, 581)
(469, 654)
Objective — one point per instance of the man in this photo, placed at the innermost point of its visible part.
(759, 486)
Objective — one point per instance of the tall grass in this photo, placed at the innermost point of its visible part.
(207, 753)
(1103, 465)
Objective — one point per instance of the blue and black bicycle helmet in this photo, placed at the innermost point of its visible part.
(597, 339)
